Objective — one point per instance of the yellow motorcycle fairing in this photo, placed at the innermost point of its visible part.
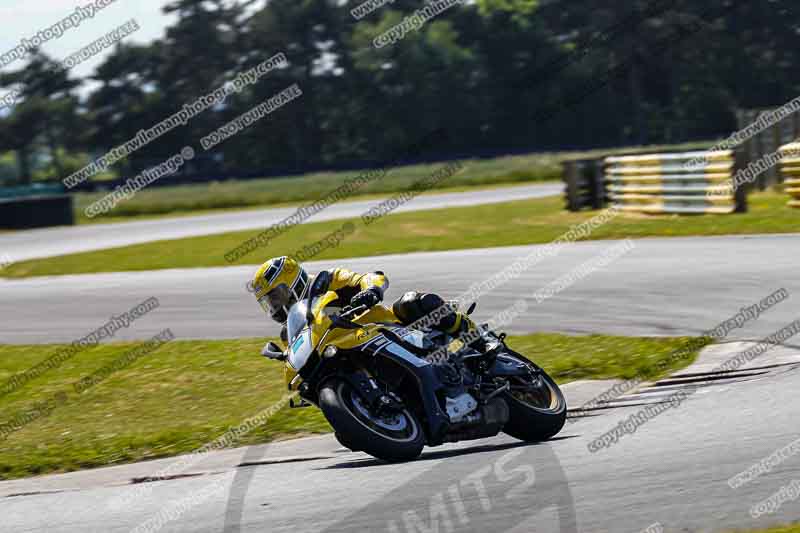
(341, 338)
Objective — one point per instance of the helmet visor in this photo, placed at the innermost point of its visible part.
(277, 302)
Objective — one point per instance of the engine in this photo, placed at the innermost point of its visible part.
(485, 421)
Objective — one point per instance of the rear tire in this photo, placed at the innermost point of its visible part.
(394, 440)
(540, 416)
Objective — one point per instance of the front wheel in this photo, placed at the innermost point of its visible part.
(394, 438)
(537, 408)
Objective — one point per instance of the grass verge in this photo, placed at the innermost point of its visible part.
(187, 393)
(513, 223)
(791, 528)
(184, 199)
(113, 217)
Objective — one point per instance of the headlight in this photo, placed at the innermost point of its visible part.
(330, 351)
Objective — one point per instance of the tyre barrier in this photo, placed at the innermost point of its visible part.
(682, 183)
(583, 184)
(790, 170)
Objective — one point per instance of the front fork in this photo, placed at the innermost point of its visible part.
(435, 421)
(379, 402)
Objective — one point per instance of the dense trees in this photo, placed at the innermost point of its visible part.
(499, 75)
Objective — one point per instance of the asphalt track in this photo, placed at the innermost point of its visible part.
(673, 470)
(30, 244)
(678, 286)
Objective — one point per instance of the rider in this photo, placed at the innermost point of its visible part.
(281, 281)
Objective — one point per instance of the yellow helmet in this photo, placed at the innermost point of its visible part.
(278, 284)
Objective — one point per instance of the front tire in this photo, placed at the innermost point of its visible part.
(393, 439)
(537, 415)
(352, 446)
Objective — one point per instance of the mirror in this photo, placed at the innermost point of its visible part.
(273, 351)
(320, 284)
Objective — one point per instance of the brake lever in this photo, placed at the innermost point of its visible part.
(341, 320)
(349, 311)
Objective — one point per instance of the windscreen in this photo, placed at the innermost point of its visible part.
(297, 320)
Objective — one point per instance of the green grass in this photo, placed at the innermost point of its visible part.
(514, 223)
(187, 393)
(185, 199)
(191, 199)
(790, 528)
(113, 217)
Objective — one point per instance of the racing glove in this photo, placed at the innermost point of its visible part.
(368, 298)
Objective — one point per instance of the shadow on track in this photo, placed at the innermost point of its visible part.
(482, 488)
(442, 454)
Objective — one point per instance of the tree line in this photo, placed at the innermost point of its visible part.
(501, 76)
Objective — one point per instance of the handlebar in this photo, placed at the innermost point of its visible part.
(348, 311)
(342, 320)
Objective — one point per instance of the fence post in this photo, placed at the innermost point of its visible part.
(572, 180)
(777, 142)
(597, 182)
(740, 161)
(760, 151)
(795, 126)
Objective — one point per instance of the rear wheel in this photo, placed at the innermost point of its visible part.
(392, 437)
(537, 408)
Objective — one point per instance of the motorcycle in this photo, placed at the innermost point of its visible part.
(389, 390)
